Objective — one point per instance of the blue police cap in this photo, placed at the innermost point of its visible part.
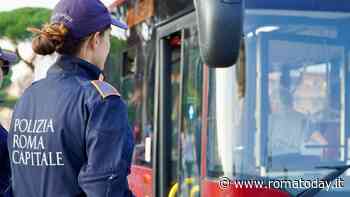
(8, 57)
(83, 17)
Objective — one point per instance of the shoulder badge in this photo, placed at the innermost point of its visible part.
(105, 89)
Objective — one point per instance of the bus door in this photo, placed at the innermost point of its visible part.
(180, 96)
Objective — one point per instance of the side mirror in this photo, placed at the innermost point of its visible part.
(220, 30)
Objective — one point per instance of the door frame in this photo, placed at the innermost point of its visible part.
(161, 146)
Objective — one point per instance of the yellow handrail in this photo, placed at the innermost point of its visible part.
(188, 181)
(195, 189)
(173, 190)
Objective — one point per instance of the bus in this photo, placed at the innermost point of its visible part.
(274, 123)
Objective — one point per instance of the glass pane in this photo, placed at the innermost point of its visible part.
(227, 90)
(292, 117)
(304, 121)
(168, 8)
(175, 78)
(224, 123)
(138, 91)
(191, 112)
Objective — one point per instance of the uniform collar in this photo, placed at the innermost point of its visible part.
(75, 65)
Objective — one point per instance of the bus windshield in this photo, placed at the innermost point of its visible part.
(292, 115)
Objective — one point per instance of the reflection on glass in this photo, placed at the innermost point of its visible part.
(175, 77)
(224, 125)
(291, 118)
(138, 91)
(298, 99)
(191, 112)
(169, 8)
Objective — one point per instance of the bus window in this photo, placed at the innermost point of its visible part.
(226, 93)
(300, 109)
(191, 112)
(138, 91)
(303, 121)
(167, 9)
(174, 68)
(240, 71)
(300, 80)
(293, 115)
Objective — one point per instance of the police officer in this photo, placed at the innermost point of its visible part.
(69, 134)
(6, 58)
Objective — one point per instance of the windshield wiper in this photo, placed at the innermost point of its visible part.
(338, 171)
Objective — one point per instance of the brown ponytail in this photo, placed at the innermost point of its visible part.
(49, 39)
(53, 38)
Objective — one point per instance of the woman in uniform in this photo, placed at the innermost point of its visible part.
(6, 59)
(69, 134)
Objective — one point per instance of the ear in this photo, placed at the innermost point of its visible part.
(95, 40)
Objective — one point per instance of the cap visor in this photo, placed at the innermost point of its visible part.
(118, 23)
(8, 56)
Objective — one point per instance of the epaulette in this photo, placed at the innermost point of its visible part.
(105, 89)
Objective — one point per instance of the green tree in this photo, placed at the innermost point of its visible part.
(14, 24)
(113, 68)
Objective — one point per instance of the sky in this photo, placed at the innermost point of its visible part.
(6, 5)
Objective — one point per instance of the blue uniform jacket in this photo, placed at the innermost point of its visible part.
(70, 136)
(5, 172)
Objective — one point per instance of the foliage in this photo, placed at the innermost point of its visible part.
(113, 68)
(117, 46)
(13, 24)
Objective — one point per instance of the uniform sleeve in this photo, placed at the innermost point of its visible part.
(109, 146)
(5, 171)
